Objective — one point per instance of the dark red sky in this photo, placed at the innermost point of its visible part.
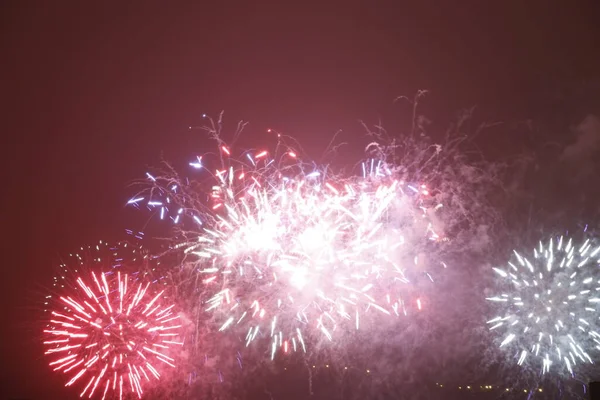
(94, 94)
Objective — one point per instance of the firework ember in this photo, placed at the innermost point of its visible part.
(549, 315)
(110, 332)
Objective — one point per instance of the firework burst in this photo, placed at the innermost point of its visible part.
(549, 316)
(284, 247)
(109, 331)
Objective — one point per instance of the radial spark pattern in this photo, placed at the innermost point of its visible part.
(283, 248)
(549, 316)
(110, 332)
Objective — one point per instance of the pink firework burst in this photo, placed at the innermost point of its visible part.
(113, 334)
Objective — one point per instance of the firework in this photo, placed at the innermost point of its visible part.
(284, 247)
(549, 316)
(109, 330)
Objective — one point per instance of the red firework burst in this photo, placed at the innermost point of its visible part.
(112, 335)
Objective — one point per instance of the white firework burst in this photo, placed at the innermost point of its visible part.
(549, 316)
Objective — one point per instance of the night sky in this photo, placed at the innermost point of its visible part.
(95, 94)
